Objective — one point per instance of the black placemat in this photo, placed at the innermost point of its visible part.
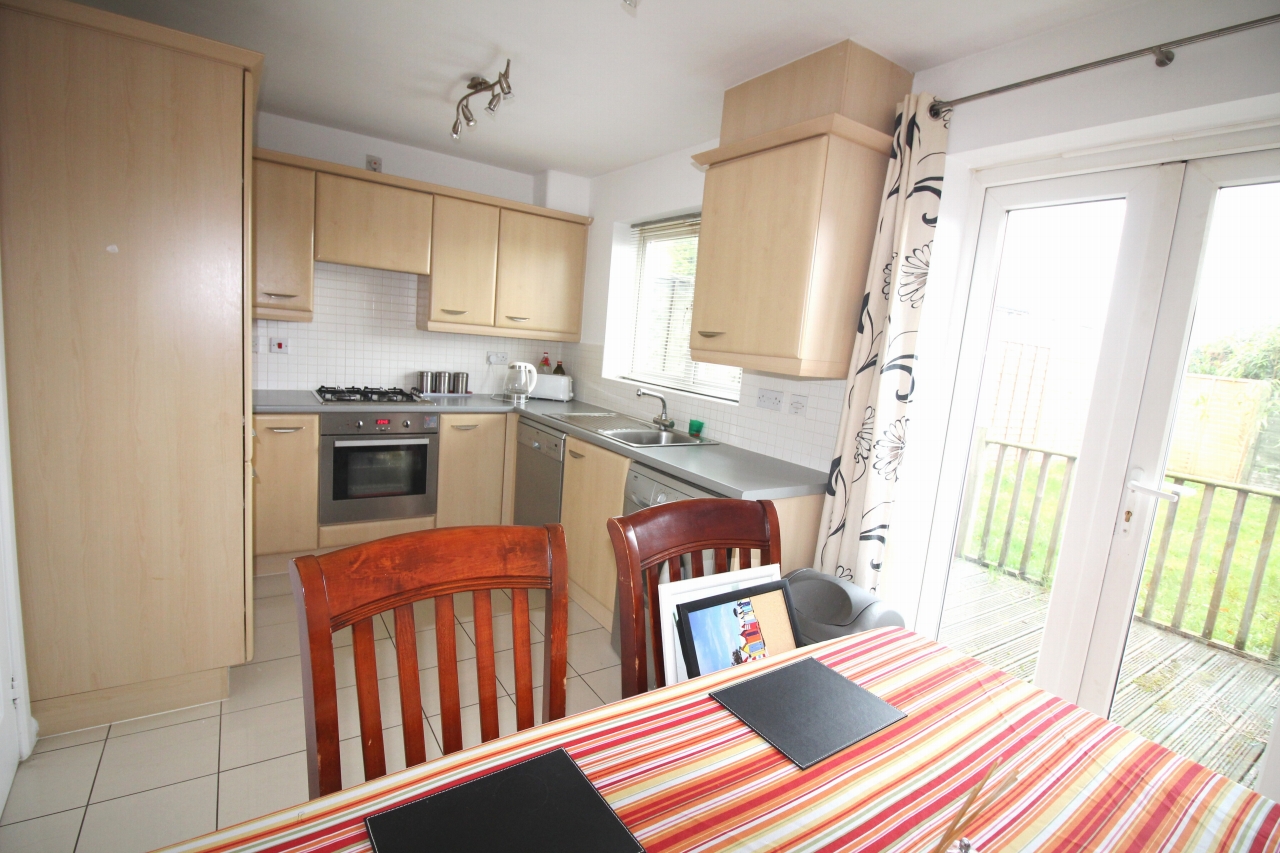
(543, 804)
(807, 710)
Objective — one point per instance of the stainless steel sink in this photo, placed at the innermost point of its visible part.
(651, 437)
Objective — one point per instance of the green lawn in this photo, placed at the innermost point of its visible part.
(1248, 542)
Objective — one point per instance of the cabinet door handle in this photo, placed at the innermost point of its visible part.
(280, 295)
(286, 429)
(518, 319)
(451, 311)
(709, 334)
(464, 426)
(575, 454)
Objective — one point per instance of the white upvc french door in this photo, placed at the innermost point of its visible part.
(1063, 421)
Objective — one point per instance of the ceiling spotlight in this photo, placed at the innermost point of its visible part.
(504, 80)
(498, 90)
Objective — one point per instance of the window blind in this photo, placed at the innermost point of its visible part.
(666, 261)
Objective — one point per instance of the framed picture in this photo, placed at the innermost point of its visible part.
(737, 627)
(677, 592)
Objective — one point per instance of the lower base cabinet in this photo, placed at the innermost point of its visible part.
(594, 481)
(286, 465)
(472, 461)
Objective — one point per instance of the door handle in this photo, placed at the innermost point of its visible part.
(280, 295)
(451, 311)
(286, 429)
(1135, 487)
(1170, 496)
(575, 454)
(464, 426)
(518, 319)
(710, 334)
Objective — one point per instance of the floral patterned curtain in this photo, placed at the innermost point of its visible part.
(875, 424)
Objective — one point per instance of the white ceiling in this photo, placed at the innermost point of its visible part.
(597, 86)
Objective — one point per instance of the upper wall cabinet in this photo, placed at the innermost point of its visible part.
(541, 264)
(789, 213)
(368, 224)
(284, 210)
(464, 262)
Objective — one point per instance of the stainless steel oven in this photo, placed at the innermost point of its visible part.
(376, 466)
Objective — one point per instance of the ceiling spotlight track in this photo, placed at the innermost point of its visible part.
(499, 90)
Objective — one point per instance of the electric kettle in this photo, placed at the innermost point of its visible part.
(521, 377)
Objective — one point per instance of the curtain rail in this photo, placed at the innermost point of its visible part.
(1163, 54)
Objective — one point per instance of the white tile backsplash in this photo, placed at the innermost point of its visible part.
(364, 333)
(807, 439)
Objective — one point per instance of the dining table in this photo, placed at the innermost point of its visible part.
(684, 774)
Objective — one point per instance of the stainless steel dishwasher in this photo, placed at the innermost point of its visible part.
(539, 469)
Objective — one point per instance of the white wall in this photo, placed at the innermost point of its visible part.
(666, 186)
(1096, 119)
(340, 146)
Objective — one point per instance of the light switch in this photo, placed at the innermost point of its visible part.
(280, 346)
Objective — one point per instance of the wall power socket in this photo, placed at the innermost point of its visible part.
(768, 399)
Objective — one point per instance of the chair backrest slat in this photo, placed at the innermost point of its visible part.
(655, 620)
(447, 668)
(356, 585)
(415, 740)
(522, 657)
(375, 760)
(486, 671)
(645, 540)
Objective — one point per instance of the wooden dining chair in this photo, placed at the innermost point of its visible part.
(354, 585)
(676, 535)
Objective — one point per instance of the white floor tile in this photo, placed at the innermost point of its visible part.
(151, 819)
(579, 619)
(505, 664)
(503, 631)
(273, 642)
(393, 750)
(258, 789)
(468, 686)
(427, 645)
(96, 733)
(384, 652)
(275, 610)
(464, 604)
(55, 833)
(156, 758)
(257, 684)
(578, 697)
(606, 683)
(349, 707)
(424, 614)
(53, 782)
(262, 733)
(169, 718)
(471, 722)
(343, 637)
(590, 651)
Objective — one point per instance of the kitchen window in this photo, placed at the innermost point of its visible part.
(666, 260)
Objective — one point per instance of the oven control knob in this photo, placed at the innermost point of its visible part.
(359, 424)
(405, 424)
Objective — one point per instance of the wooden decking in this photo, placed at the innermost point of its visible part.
(1212, 706)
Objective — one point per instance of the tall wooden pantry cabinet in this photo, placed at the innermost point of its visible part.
(125, 193)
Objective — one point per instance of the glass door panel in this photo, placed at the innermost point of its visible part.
(1053, 289)
(1201, 665)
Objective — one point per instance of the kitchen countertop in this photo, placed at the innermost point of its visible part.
(720, 468)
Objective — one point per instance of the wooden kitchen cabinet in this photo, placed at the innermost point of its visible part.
(284, 210)
(472, 462)
(286, 468)
(785, 241)
(541, 264)
(125, 219)
(367, 224)
(464, 262)
(593, 485)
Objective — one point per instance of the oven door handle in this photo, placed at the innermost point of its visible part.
(381, 442)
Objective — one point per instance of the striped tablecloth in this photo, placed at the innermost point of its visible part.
(684, 774)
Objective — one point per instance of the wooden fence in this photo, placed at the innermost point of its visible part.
(1003, 525)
